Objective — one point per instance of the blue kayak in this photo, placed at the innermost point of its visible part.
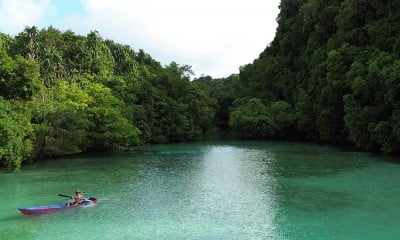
(56, 207)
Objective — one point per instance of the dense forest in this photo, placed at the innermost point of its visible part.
(61, 93)
(332, 74)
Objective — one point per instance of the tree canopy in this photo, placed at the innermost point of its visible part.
(62, 93)
(331, 74)
(333, 68)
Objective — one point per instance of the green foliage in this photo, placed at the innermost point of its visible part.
(331, 74)
(178, 111)
(335, 65)
(100, 60)
(60, 119)
(15, 135)
(108, 126)
(224, 92)
(305, 117)
(83, 93)
(252, 119)
(18, 76)
(370, 108)
(283, 117)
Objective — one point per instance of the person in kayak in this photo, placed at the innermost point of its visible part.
(78, 197)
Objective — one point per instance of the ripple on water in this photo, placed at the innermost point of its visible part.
(211, 190)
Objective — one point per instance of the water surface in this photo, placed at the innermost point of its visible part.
(209, 190)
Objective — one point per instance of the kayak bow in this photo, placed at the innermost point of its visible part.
(56, 207)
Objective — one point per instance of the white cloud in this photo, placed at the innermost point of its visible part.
(16, 14)
(215, 37)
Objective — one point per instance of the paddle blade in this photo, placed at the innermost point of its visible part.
(62, 195)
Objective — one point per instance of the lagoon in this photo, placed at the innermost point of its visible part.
(209, 190)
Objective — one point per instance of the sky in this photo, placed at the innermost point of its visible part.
(215, 37)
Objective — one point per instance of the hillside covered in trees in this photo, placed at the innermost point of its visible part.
(332, 74)
(62, 94)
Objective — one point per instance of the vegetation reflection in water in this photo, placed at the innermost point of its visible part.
(209, 190)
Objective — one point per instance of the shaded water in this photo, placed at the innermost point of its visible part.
(209, 190)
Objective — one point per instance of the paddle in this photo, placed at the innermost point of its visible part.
(62, 195)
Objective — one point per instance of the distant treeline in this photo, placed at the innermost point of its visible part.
(332, 74)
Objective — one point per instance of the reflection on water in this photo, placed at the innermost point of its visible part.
(209, 190)
(229, 188)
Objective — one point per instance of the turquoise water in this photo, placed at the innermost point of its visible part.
(209, 190)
